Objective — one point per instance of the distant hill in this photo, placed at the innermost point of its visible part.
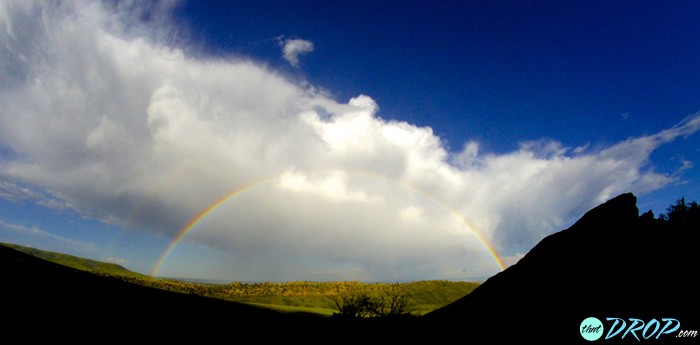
(50, 300)
(423, 296)
(316, 297)
(611, 263)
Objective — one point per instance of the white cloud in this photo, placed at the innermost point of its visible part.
(118, 261)
(19, 194)
(116, 125)
(292, 48)
(333, 187)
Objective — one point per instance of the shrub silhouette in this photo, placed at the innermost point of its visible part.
(391, 302)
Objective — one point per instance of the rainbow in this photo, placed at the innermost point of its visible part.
(250, 185)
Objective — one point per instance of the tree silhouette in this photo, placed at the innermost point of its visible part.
(397, 301)
(682, 213)
(358, 305)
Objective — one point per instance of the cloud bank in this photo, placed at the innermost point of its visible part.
(100, 115)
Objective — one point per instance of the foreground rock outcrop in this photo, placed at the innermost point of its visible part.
(612, 263)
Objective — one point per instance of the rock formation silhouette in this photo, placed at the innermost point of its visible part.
(610, 263)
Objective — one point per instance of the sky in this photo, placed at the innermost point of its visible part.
(337, 140)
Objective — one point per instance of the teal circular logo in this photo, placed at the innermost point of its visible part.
(591, 329)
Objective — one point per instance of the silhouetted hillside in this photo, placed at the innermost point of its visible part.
(611, 263)
(45, 300)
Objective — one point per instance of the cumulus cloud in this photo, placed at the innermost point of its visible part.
(117, 125)
(292, 48)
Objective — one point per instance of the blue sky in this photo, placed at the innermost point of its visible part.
(357, 140)
(451, 65)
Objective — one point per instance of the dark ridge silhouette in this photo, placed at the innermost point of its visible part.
(47, 301)
(611, 263)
